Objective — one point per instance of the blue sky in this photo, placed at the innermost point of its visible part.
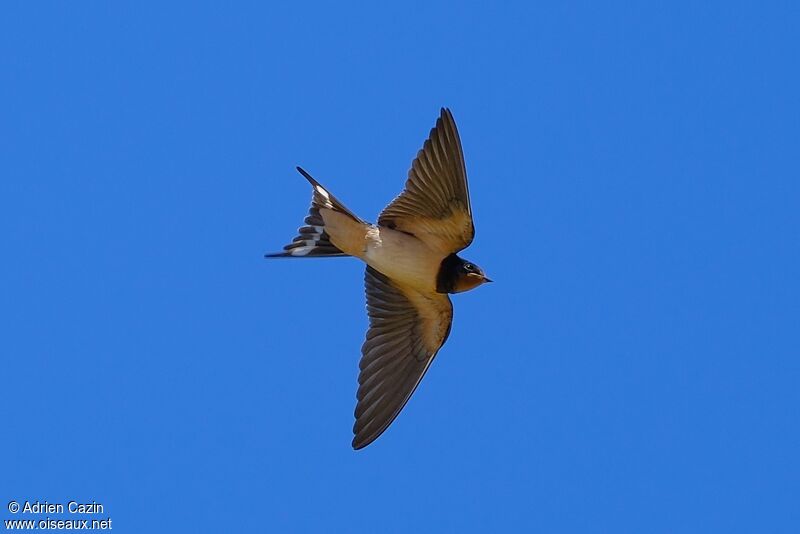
(634, 177)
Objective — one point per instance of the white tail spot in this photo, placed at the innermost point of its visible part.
(322, 192)
(302, 251)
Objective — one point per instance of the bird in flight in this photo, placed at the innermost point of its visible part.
(411, 267)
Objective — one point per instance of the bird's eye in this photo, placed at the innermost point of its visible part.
(469, 267)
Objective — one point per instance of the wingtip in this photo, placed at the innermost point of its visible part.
(446, 119)
(360, 444)
(364, 437)
(361, 439)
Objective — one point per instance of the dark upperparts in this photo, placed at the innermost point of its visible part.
(449, 273)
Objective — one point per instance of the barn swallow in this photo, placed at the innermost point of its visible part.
(412, 265)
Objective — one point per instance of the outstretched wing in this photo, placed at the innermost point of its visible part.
(406, 330)
(435, 204)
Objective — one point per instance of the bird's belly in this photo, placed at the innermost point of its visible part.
(403, 258)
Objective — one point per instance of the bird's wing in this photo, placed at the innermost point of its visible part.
(406, 330)
(434, 206)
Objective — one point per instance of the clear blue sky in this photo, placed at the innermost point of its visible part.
(635, 183)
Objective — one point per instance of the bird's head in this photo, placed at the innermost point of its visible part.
(469, 276)
(457, 275)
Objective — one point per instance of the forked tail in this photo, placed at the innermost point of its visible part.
(312, 240)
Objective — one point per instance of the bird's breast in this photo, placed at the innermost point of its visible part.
(403, 258)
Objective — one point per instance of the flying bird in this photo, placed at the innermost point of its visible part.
(412, 265)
